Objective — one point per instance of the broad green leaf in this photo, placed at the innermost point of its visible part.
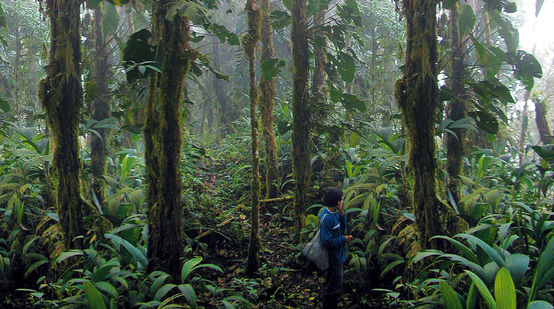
(546, 152)
(107, 287)
(280, 19)
(538, 6)
(34, 266)
(188, 291)
(110, 20)
(271, 68)
(311, 219)
(544, 269)
(491, 252)
(504, 290)
(352, 103)
(480, 285)
(505, 29)
(526, 67)
(93, 4)
(464, 250)
(4, 105)
(139, 256)
(94, 298)
(517, 264)
(466, 21)
(485, 121)
(540, 304)
(224, 35)
(188, 267)
(163, 291)
(67, 254)
(450, 299)
(471, 297)
(138, 51)
(346, 67)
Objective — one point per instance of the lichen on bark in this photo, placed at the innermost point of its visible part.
(163, 139)
(61, 97)
(249, 44)
(456, 109)
(267, 94)
(417, 95)
(301, 113)
(100, 109)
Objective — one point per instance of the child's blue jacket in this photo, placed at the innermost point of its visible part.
(331, 236)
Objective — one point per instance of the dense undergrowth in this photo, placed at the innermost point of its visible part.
(506, 254)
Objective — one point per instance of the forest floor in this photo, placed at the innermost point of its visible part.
(284, 279)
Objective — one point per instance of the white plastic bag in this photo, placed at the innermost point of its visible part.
(316, 253)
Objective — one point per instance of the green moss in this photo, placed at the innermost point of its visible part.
(61, 97)
(249, 43)
(301, 113)
(163, 142)
(267, 89)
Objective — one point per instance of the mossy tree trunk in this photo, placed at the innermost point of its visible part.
(416, 93)
(163, 140)
(267, 89)
(61, 96)
(542, 124)
(456, 109)
(100, 108)
(524, 127)
(300, 112)
(249, 44)
(319, 93)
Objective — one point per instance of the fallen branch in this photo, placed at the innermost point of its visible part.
(208, 232)
(277, 199)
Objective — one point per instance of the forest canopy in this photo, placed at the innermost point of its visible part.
(175, 153)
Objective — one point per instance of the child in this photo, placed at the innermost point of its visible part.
(332, 236)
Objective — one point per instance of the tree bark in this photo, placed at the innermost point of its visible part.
(61, 96)
(249, 43)
(267, 88)
(524, 127)
(542, 124)
(300, 112)
(163, 140)
(100, 109)
(416, 93)
(456, 109)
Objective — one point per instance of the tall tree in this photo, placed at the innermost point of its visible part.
(267, 88)
(249, 43)
(417, 93)
(162, 134)
(318, 76)
(456, 108)
(61, 96)
(300, 112)
(100, 108)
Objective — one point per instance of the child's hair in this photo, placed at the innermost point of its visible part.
(332, 197)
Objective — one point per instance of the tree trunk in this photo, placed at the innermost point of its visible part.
(416, 93)
(163, 140)
(300, 112)
(542, 124)
(249, 43)
(100, 108)
(319, 77)
(524, 127)
(226, 113)
(61, 96)
(267, 88)
(456, 109)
